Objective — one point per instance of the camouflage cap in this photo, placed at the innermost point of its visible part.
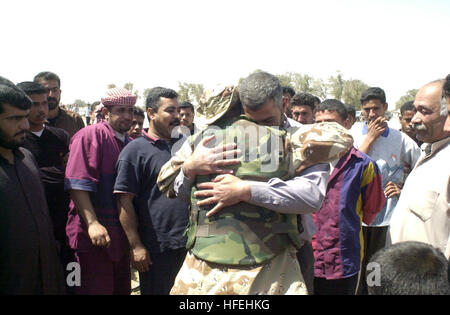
(317, 143)
(214, 105)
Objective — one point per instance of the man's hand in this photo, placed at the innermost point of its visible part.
(99, 235)
(376, 127)
(140, 258)
(392, 189)
(205, 161)
(224, 190)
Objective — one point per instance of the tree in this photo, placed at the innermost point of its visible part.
(336, 85)
(287, 79)
(409, 96)
(304, 83)
(79, 103)
(130, 86)
(320, 89)
(352, 91)
(191, 92)
(145, 94)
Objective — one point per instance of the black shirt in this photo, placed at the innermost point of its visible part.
(161, 221)
(29, 262)
(50, 150)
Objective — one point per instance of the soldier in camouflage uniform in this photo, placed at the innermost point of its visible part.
(249, 247)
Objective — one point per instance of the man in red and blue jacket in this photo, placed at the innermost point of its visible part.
(354, 195)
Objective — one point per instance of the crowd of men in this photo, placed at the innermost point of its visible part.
(258, 189)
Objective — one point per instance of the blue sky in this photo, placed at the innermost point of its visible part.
(397, 45)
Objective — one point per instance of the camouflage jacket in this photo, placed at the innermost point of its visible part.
(244, 234)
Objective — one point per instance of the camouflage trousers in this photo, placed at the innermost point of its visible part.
(280, 276)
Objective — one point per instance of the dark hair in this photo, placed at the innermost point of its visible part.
(187, 105)
(155, 94)
(332, 105)
(31, 88)
(6, 82)
(288, 89)
(351, 111)
(373, 93)
(303, 99)
(14, 96)
(46, 75)
(316, 100)
(259, 87)
(410, 268)
(137, 111)
(446, 86)
(407, 106)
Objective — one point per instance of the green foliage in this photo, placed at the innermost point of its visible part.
(145, 93)
(304, 83)
(336, 85)
(80, 103)
(351, 94)
(409, 96)
(347, 91)
(191, 92)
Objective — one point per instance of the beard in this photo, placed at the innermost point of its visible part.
(11, 143)
(52, 103)
(120, 126)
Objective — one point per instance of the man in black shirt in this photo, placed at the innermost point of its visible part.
(153, 223)
(29, 262)
(50, 147)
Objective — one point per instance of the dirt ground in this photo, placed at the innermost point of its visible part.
(135, 290)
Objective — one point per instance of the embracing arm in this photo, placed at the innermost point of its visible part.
(300, 195)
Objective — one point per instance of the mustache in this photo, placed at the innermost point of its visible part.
(419, 127)
(176, 122)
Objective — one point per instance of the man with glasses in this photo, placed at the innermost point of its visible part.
(57, 116)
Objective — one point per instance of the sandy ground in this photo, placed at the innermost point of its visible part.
(135, 282)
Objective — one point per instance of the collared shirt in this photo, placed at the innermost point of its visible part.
(423, 211)
(91, 167)
(393, 152)
(354, 194)
(29, 262)
(161, 221)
